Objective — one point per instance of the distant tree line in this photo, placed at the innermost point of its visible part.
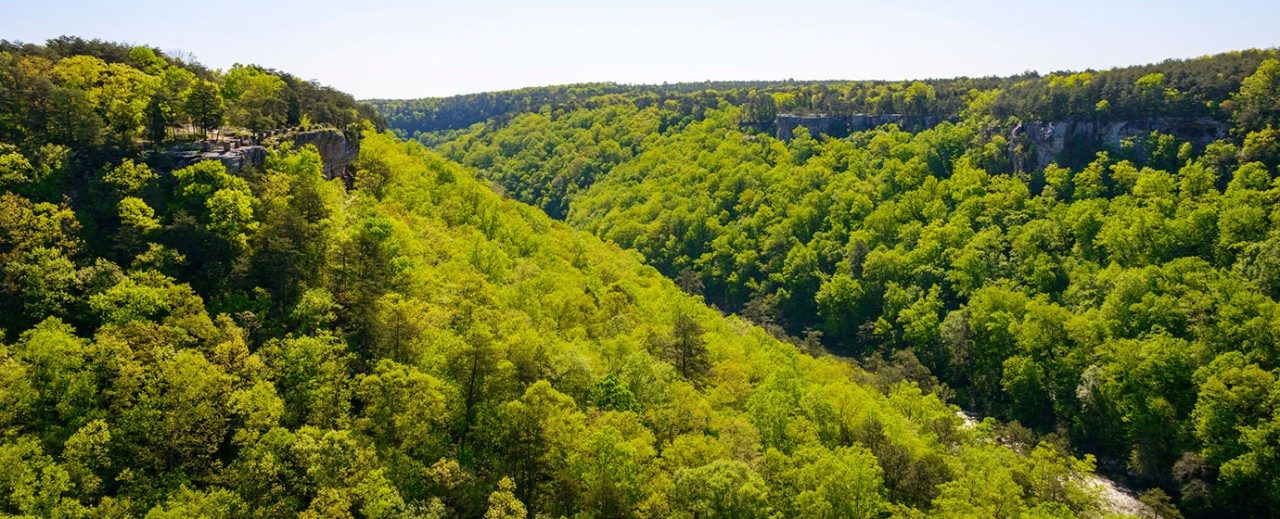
(1197, 87)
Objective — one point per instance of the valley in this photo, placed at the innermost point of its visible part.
(235, 293)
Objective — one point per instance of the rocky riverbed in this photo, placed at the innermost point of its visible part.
(1118, 498)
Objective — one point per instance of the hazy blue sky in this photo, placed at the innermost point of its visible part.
(431, 48)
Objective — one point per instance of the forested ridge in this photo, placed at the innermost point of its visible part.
(1173, 88)
(1122, 300)
(403, 341)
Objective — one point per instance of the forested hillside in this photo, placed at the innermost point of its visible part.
(1123, 297)
(197, 342)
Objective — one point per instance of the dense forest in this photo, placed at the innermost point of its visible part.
(1120, 300)
(1174, 88)
(267, 342)
(101, 97)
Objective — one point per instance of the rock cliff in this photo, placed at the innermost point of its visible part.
(1046, 141)
(1032, 144)
(235, 157)
(336, 150)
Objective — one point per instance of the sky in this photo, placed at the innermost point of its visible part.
(410, 49)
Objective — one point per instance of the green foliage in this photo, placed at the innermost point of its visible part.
(1199, 87)
(15, 169)
(722, 489)
(274, 344)
(845, 482)
(1088, 299)
(436, 350)
(1255, 105)
(222, 201)
(129, 178)
(255, 98)
(205, 106)
(100, 96)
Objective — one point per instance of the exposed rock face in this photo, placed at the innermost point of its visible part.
(843, 125)
(235, 159)
(1047, 140)
(833, 125)
(335, 149)
(1033, 144)
(243, 158)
